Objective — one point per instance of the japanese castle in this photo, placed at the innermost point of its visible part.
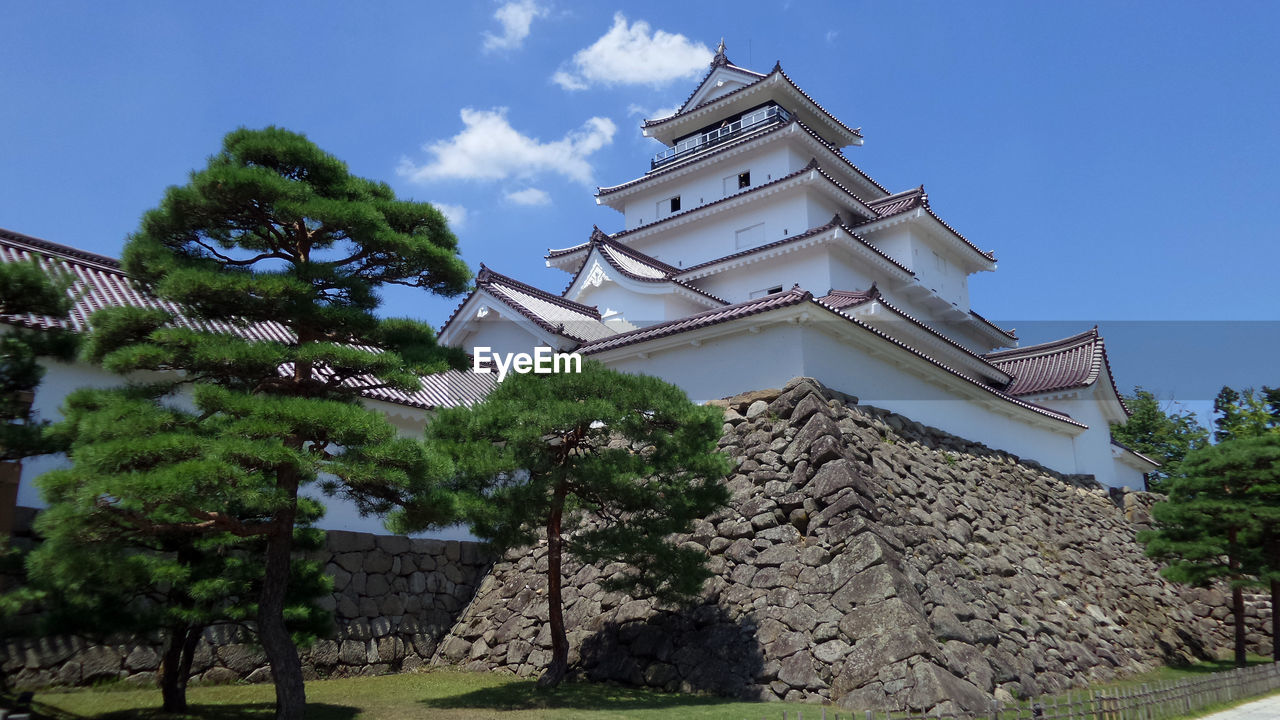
(752, 251)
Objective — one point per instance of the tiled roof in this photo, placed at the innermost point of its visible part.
(720, 60)
(741, 141)
(101, 283)
(788, 298)
(635, 265)
(850, 298)
(1011, 334)
(840, 299)
(552, 313)
(1135, 453)
(912, 199)
(777, 70)
(703, 319)
(1072, 362)
(835, 222)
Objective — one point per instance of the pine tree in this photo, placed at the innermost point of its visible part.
(1165, 434)
(1245, 413)
(276, 235)
(110, 567)
(606, 466)
(1213, 525)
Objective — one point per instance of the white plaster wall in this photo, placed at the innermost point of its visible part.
(1093, 447)
(727, 365)
(783, 215)
(637, 308)
(706, 184)
(890, 384)
(810, 267)
(501, 334)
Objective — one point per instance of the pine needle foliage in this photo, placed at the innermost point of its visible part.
(1211, 527)
(1163, 432)
(29, 290)
(604, 465)
(276, 236)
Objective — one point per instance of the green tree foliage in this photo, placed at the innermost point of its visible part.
(1164, 433)
(1212, 527)
(27, 289)
(606, 466)
(276, 235)
(1245, 413)
(112, 558)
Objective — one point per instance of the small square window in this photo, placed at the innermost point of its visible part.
(744, 179)
(675, 204)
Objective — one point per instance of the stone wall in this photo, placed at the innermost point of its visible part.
(867, 560)
(394, 598)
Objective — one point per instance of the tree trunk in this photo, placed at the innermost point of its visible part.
(559, 666)
(286, 666)
(173, 685)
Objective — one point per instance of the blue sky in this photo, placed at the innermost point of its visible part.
(1121, 159)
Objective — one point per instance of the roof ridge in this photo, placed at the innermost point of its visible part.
(1081, 338)
(57, 249)
(795, 295)
(835, 222)
(487, 275)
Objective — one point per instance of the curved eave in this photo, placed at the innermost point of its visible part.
(615, 195)
(810, 174)
(775, 86)
(975, 260)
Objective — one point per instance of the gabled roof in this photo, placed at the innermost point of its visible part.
(100, 283)
(634, 265)
(917, 198)
(555, 314)
(1072, 362)
(776, 75)
(699, 158)
(720, 60)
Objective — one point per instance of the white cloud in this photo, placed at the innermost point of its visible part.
(488, 148)
(515, 18)
(651, 113)
(832, 35)
(632, 55)
(455, 214)
(529, 196)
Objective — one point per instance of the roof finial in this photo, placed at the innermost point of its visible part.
(720, 58)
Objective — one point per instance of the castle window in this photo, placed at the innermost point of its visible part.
(668, 206)
(744, 179)
(768, 291)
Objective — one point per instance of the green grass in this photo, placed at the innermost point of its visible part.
(453, 695)
(439, 695)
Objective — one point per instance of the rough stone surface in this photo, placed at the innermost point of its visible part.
(872, 562)
(388, 615)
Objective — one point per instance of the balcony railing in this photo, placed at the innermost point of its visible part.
(751, 121)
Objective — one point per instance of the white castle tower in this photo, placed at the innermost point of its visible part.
(753, 251)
